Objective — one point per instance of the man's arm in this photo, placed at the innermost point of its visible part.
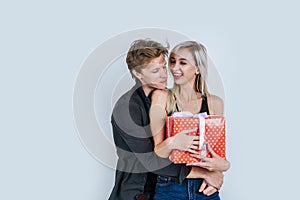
(139, 154)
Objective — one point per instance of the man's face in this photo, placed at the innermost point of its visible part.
(154, 74)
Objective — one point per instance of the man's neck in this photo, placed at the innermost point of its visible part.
(147, 90)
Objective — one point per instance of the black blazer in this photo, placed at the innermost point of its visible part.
(137, 165)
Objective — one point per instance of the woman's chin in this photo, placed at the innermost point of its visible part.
(178, 82)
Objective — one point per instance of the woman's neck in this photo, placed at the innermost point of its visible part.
(187, 92)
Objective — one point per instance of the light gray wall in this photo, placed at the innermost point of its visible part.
(255, 48)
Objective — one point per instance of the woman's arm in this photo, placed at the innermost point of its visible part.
(157, 123)
(216, 163)
(158, 115)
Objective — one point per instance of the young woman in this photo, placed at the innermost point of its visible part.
(188, 65)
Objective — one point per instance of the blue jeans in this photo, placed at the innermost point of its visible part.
(167, 189)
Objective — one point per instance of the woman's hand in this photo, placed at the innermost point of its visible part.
(183, 141)
(215, 163)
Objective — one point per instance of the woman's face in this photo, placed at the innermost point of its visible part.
(183, 67)
(154, 75)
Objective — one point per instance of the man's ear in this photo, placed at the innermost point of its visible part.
(137, 75)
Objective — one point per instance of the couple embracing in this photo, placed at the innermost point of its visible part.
(144, 170)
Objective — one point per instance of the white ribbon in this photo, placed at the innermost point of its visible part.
(189, 114)
(201, 117)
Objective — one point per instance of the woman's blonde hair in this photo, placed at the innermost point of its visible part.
(199, 54)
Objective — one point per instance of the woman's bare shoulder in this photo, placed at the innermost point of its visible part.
(159, 93)
(215, 99)
(215, 104)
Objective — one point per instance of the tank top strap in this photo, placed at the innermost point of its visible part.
(204, 106)
(176, 105)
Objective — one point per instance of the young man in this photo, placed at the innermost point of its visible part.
(138, 165)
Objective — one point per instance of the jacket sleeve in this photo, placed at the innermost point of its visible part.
(135, 146)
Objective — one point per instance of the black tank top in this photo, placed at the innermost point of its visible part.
(204, 105)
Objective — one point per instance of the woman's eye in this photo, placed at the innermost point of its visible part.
(182, 63)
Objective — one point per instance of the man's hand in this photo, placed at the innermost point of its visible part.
(207, 189)
(213, 178)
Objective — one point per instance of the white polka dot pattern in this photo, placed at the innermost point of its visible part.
(214, 135)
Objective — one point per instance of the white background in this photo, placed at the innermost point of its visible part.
(254, 44)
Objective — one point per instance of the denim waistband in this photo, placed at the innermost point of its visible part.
(168, 178)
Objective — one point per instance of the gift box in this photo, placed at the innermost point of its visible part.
(210, 129)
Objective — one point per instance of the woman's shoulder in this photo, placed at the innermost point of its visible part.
(162, 93)
(214, 99)
(215, 104)
(159, 96)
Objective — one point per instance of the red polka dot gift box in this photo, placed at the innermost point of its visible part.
(210, 128)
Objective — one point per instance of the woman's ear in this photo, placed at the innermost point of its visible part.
(197, 70)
